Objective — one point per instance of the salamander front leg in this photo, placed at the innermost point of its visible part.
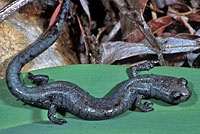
(146, 107)
(147, 65)
(38, 79)
(52, 115)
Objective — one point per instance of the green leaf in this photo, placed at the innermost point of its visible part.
(17, 118)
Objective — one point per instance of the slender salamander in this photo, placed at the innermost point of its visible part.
(73, 99)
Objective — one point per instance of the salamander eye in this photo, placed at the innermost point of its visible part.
(183, 81)
(175, 95)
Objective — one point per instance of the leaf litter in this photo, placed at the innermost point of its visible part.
(108, 31)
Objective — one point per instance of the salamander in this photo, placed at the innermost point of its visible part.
(72, 98)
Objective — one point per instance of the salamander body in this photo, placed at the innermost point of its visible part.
(71, 98)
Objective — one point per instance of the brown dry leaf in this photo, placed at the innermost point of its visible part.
(155, 25)
(113, 51)
(187, 36)
(178, 6)
(55, 14)
(138, 4)
(127, 26)
(194, 17)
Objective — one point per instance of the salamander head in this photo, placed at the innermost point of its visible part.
(177, 91)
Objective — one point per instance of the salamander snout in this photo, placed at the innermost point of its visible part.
(178, 96)
(180, 91)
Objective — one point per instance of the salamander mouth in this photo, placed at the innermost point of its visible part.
(178, 97)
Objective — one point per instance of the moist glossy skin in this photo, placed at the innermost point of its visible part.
(71, 98)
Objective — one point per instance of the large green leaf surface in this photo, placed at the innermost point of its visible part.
(98, 80)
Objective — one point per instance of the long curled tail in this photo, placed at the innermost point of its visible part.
(14, 83)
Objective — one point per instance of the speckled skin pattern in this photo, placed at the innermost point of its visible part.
(71, 98)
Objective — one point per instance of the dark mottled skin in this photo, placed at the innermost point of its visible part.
(73, 99)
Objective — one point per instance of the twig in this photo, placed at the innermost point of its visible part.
(101, 30)
(144, 28)
(137, 18)
(84, 38)
(114, 31)
(11, 8)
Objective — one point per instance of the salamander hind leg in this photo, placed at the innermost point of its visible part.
(38, 79)
(146, 107)
(147, 65)
(52, 116)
